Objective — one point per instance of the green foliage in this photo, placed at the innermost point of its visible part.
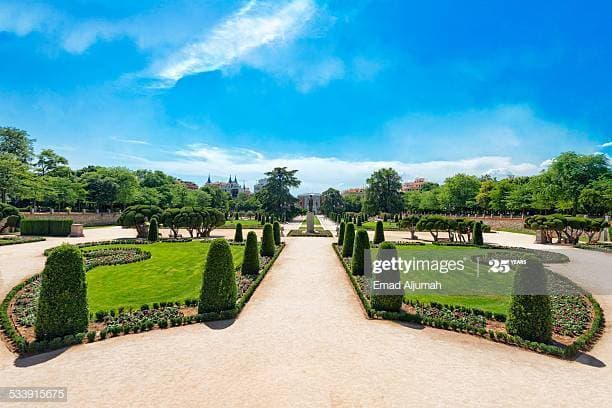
(62, 306)
(250, 263)
(341, 233)
(45, 227)
(391, 302)
(530, 314)
(277, 233)
(153, 230)
(238, 233)
(16, 142)
(331, 202)
(383, 192)
(349, 240)
(477, 238)
(379, 233)
(267, 241)
(136, 216)
(219, 289)
(275, 196)
(362, 242)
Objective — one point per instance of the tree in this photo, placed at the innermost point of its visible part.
(410, 222)
(250, 263)
(62, 304)
(596, 198)
(349, 240)
(219, 199)
(137, 216)
(16, 142)
(459, 192)
(238, 233)
(13, 174)
(7, 211)
(331, 201)
(101, 188)
(379, 234)
(153, 235)
(277, 233)
(361, 244)
(275, 196)
(267, 241)
(219, 289)
(383, 191)
(49, 161)
(572, 172)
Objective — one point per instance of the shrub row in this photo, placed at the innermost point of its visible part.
(44, 227)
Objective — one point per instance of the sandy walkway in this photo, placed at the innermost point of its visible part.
(303, 340)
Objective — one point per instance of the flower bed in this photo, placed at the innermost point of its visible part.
(113, 256)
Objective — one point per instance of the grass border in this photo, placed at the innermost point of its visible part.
(596, 248)
(582, 343)
(26, 239)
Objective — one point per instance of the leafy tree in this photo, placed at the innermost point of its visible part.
(383, 192)
(16, 142)
(219, 199)
(101, 188)
(596, 198)
(331, 201)
(412, 201)
(137, 216)
(49, 161)
(275, 196)
(62, 304)
(459, 192)
(219, 291)
(13, 174)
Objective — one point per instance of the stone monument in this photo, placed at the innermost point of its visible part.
(310, 217)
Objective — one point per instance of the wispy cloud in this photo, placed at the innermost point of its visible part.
(607, 144)
(131, 141)
(255, 25)
(24, 18)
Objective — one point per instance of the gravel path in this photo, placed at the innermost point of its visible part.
(303, 340)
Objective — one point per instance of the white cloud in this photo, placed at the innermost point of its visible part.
(255, 25)
(131, 141)
(607, 144)
(24, 18)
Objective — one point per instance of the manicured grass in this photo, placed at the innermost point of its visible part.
(387, 225)
(246, 224)
(173, 273)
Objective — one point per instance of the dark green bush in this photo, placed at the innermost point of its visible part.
(91, 336)
(267, 241)
(219, 279)
(137, 215)
(238, 233)
(250, 263)
(277, 233)
(341, 233)
(349, 240)
(362, 242)
(530, 314)
(12, 221)
(45, 227)
(391, 302)
(153, 231)
(379, 234)
(477, 238)
(62, 306)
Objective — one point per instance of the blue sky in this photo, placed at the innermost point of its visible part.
(335, 89)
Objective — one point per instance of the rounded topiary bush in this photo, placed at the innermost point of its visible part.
(62, 305)
(388, 299)
(362, 242)
(277, 233)
(349, 240)
(218, 280)
(477, 238)
(341, 233)
(238, 233)
(530, 314)
(153, 231)
(250, 263)
(379, 234)
(267, 241)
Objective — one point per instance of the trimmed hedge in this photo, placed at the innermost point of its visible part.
(390, 303)
(362, 242)
(477, 238)
(267, 241)
(45, 227)
(349, 240)
(62, 306)
(219, 289)
(277, 233)
(238, 233)
(153, 231)
(250, 263)
(379, 234)
(341, 233)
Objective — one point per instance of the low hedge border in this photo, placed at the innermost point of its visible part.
(552, 257)
(595, 247)
(20, 240)
(303, 233)
(582, 343)
(19, 344)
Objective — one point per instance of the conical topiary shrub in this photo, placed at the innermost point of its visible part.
(238, 233)
(477, 238)
(387, 299)
(341, 233)
(379, 234)
(530, 313)
(277, 234)
(359, 221)
(362, 242)
(250, 263)
(62, 305)
(267, 241)
(218, 280)
(349, 240)
(153, 234)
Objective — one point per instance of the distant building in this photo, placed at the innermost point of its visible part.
(415, 185)
(231, 187)
(259, 185)
(357, 191)
(188, 184)
(304, 200)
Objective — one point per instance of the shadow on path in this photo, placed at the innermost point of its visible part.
(29, 361)
(589, 360)
(220, 324)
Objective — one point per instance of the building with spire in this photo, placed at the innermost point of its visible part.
(231, 187)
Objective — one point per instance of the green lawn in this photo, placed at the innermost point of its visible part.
(173, 273)
(246, 224)
(387, 225)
